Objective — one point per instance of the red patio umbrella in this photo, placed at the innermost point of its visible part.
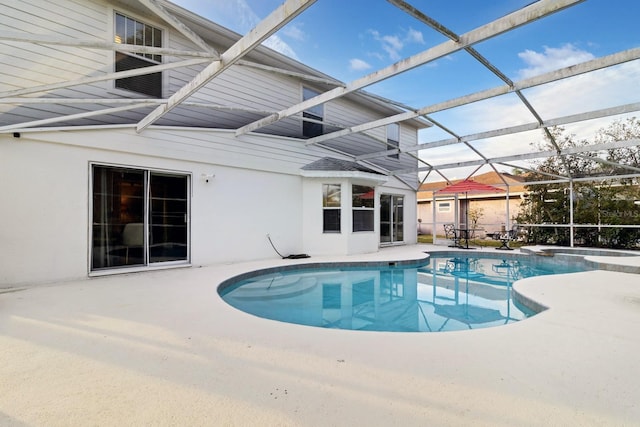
(468, 186)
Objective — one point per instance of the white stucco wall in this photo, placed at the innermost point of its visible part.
(44, 180)
(44, 233)
(316, 242)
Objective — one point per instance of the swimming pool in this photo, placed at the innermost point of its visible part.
(451, 291)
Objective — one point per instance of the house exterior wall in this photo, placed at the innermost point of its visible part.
(28, 65)
(256, 188)
(347, 242)
(45, 181)
(492, 219)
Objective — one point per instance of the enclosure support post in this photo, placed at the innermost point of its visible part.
(571, 229)
(433, 215)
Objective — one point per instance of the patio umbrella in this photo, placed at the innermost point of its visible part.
(468, 186)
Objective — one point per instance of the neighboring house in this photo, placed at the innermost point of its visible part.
(87, 190)
(490, 208)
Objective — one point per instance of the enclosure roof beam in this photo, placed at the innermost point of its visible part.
(68, 117)
(272, 23)
(510, 165)
(514, 20)
(595, 114)
(97, 44)
(282, 71)
(609, 163)
(168, 17)
(537, 155)
(103, 77)
(548, 77)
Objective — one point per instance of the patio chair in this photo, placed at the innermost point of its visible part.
(506, 237)
(450, 233)
(132, 238)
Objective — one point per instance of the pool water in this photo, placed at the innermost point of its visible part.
(448, 293)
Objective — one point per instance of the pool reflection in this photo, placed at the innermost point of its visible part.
(447, 294)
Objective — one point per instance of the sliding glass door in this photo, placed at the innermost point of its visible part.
(391, 219)
(139, 217)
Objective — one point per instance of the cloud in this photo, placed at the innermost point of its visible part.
(414, 36)
(238, 16)
(276, 43)
(551, 59)
(599, 89)
(393, 44)
(356, 64)
(295, 32)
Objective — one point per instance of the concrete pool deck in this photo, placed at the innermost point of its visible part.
(161, 348)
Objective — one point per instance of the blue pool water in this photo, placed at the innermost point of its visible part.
(450, 292)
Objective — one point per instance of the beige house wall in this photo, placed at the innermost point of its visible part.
(493, 213)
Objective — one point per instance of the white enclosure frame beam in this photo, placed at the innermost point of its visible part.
(94, 44)
(70, 117)
(537, 155)
(272, 23)
(163, 13)
(521, 17)
(301, 76)
(103, 77)
(574, 70)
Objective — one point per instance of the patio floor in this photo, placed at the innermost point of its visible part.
(161, 348)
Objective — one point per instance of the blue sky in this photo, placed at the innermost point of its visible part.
(350, 39)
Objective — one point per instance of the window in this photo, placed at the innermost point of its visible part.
(130, 31)
(393, 138)
(362, 204)
(331, 208)
(309, 128)
(444, 206)
(139, 217)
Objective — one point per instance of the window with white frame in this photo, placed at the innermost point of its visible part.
(362, 204)
(131, 31)
(312, 127)
(393, 138)
(331, 195)
(444, 206)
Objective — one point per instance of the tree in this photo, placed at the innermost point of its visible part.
(609, 202)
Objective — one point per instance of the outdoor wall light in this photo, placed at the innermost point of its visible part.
(207, 176)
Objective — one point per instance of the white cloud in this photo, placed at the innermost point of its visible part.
(393, 44)
(613, 86)
(295, 32)
(356, 64)
(551, 58)
(238, 16)
(276, 43)
(414, 36)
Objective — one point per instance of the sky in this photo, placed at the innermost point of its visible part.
(350, 39)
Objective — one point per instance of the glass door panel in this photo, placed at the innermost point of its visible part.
(391, 219)
(118, 217)
(398, 218)
(385, 218)
(138, 217)
(168, 206)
